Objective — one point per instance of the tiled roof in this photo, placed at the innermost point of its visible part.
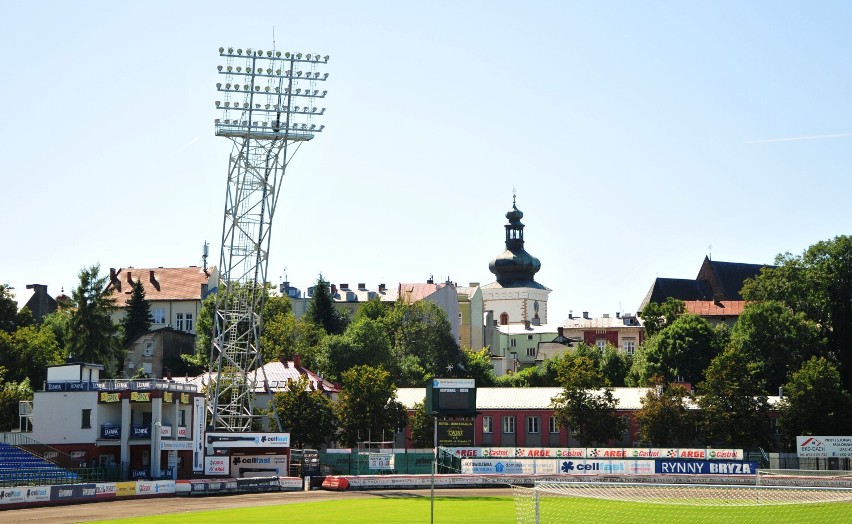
(416, 292)
(180, 283)
(523, 398)
(708, 308)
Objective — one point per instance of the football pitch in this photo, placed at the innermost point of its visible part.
(500, 510)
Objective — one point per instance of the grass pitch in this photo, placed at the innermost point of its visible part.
(501, 510)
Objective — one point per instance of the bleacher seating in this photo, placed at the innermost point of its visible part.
(19, 467)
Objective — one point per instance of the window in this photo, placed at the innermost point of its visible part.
(533, 424)
(529, 337)
(774, 426)
(504, 319)
(182, 418)
(629, 346)
(601, 344)
(553, 424)
(179, 321)
(159, 315)
(87, 419)
(487, 424)
(512, 342)
(189, 321)
(530, 352)
(460, 317)
(508, 424)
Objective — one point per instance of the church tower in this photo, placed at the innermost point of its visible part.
(515, 298)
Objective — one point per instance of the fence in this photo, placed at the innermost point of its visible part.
(347, 462)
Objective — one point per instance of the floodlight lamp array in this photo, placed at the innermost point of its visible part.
(269, 94)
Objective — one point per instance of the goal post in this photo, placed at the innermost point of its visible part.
(630, 503)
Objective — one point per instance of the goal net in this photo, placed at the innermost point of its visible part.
(804, 477)
(631, 503)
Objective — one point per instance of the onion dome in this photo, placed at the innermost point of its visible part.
(515, 267)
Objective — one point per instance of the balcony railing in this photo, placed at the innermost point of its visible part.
(121, 385)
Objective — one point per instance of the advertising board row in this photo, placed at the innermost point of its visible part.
(83, 492)
(607, 453)
(246, 465)
(607, 467)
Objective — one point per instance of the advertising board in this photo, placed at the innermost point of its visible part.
(454, 433)
(381, 461)
(249, 440)
(824, 447)
(259, 465)
(217, 466)
(705, 467)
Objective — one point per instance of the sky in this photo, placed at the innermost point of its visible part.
(638, 138)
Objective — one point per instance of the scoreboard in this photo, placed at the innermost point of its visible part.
(451, 396)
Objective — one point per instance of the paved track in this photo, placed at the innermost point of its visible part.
(175, 505)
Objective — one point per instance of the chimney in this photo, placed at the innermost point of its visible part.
(526, 324)
(561, 331)
(618, 314)
(586, 315)
(282, 358)
(153, 280)
(430, 280)
(606, 315)
(333, 289)
(780, 392)
(319, 385)
(570, 315)
(381, 288)
(113, 278)
(297, 361)
(129, 278)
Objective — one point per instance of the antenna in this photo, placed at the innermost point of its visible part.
(205, 252)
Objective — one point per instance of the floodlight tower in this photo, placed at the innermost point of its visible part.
(268, 103)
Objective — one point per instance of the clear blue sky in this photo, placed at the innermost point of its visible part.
(636, 134)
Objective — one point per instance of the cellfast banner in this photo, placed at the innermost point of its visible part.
(249, 440)
(823, 447)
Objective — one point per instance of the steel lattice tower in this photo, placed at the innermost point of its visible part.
(267, 110)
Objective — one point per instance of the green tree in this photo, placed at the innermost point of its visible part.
(11, 393)
(27, 352)
(733, 402)
(365, 342)
(587, 412)
(477, 365)
(817, 283)
(422, 427)
(138, 316)
(367, 408)
(421, 330)
(614, 365)
(655, 317)
(680, 351)
(322, 312)
(815, 402)
(59, 323)
(779, 340)
(92, 333)
(307, 414)
(8, 309)
(664, 420)
(277, 335)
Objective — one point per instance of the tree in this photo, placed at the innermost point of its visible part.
(477, 365)
(8, 309)
(815, 402)
(364, 343)
(817, 283)
(588, 413)
(92, 333)
(308, 415)
(779, 340)
(138, 317)
(733, 402)
(11, 394)
(321, 310)
(422, 426)
(680, 351)
(614, 365)
(27, 352)
(421, 330)
(367, 408)
(655, 317)
(59, 323)
(277, 335)
(664, 420)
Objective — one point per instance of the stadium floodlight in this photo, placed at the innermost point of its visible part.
(259, 120)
